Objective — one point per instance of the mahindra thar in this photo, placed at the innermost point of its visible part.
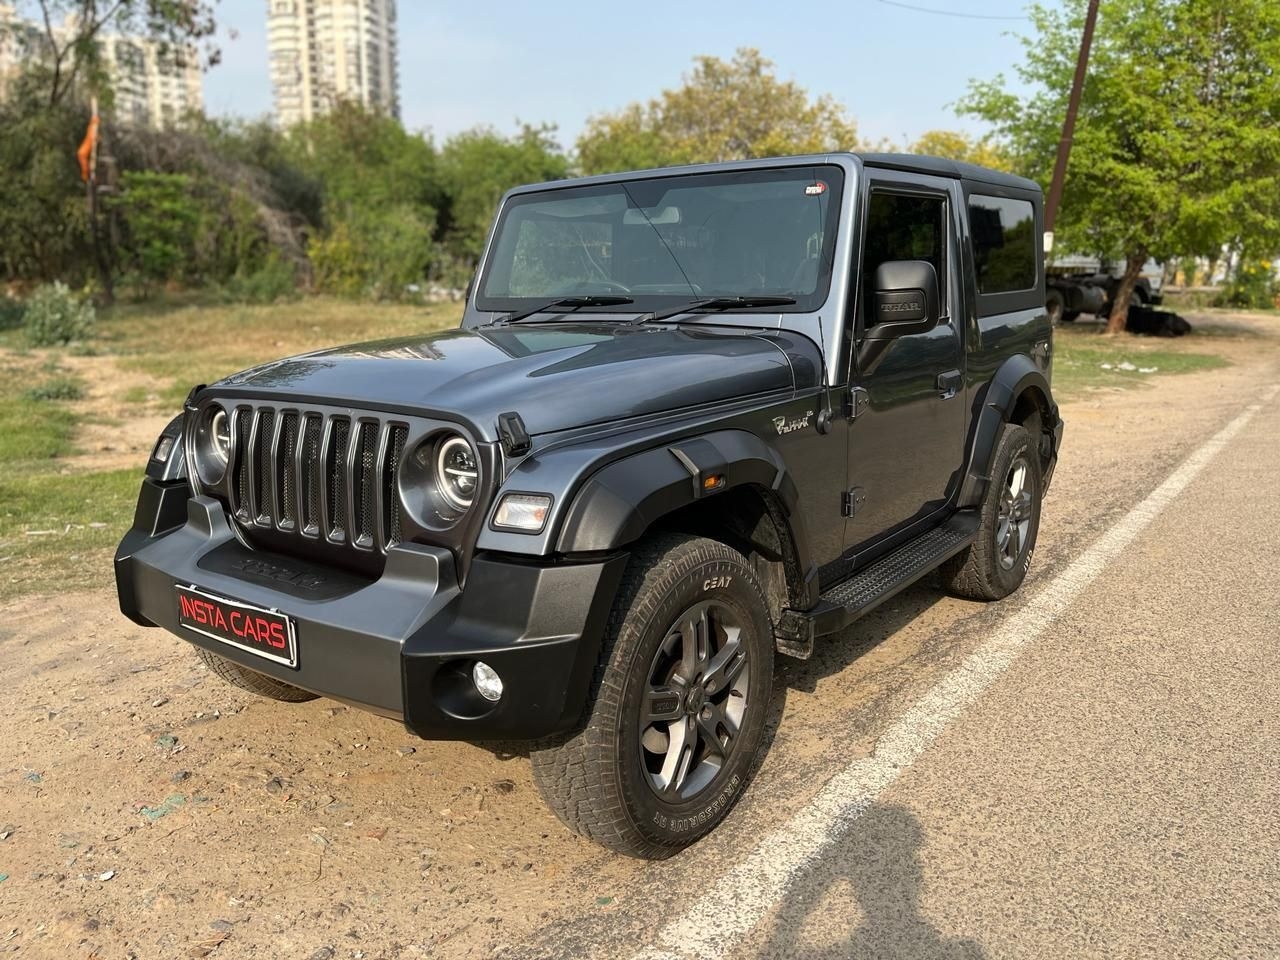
(693, 419)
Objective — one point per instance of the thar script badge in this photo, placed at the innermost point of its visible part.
(795, 423)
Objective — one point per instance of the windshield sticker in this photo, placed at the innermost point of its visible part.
(815, 189)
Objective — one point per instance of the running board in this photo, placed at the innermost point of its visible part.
(857, 596)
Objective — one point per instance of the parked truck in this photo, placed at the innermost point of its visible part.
(1076, 285)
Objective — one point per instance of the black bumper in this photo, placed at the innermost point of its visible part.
(401, 645)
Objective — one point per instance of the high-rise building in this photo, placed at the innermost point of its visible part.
(149, 87)
(324, 51)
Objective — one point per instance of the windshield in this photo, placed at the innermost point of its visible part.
(662, 241)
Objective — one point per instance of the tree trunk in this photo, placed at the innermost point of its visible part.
(1128, 283)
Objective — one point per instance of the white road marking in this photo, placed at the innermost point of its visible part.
(719, 919)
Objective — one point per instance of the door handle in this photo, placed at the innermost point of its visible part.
(949, 383)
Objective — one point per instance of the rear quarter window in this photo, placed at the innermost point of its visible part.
(1006, 253)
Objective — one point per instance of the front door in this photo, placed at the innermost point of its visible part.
(906, 443)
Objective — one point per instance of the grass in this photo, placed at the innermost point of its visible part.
(60, 522)
(1085, 360)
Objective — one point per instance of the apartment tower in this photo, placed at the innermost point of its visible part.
(325, 51)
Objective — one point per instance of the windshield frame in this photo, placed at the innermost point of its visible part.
(825, 169)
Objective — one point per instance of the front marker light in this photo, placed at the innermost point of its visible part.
(164, 447)
(525, 512)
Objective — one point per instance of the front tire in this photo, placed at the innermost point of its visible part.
(996, 563)
(254, 682)
(677, 711)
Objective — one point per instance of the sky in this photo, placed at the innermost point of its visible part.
(896, 71)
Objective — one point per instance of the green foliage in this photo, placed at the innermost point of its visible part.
(272, 282)
(1176, 149)
(163, 217)
(731, 110)
(43, 212)
(55, 316)
(1253, 287)
(56, 388)
(12, 313)
(375, 255)
(478, 166)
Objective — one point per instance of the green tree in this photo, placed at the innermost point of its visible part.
(380, 192)
(1177, 146)
(478, 166)
(724, 111)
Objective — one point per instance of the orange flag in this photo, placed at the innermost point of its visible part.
(86, 152)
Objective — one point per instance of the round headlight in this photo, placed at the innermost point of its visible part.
(220, 435)
(213, 444)
(457, 473)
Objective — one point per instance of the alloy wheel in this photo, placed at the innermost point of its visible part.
(694, 701)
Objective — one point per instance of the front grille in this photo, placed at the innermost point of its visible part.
(318, 475)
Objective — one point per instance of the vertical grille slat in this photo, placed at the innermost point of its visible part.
(287, 473)
(244, 425)
(262, 465)
(310, 475)
(336, 485)
(364, 485)
(392, 527)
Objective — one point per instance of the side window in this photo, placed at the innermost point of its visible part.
(1004, 243)
(902, 227)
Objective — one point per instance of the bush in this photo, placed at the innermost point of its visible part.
(1254, 287)
(270, 283)
(11, 313)
(55, 316)
(57, 388)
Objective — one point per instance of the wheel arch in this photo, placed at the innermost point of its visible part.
(664, 489)
(1018, 393)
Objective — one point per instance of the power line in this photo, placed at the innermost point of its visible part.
(947, 13)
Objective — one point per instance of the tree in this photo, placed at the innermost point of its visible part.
(478, 166)
(724, 111)
(64, 47)
(1177, 146)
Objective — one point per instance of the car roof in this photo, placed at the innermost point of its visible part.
(912, 163)
(941, 167)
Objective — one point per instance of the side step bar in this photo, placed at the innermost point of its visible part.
(873, 585)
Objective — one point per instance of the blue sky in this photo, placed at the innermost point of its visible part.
(461, 64)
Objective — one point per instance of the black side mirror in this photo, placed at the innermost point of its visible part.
(904, 300)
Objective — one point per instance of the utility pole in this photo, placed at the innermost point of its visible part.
(1069, 127)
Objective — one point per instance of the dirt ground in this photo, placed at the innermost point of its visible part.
(148, 810)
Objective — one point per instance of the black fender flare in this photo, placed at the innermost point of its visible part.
(1016, 377)
(619, 502)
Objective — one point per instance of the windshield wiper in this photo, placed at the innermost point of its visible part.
(569, 304)
(716, 304)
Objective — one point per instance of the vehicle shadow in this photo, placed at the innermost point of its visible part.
(861, 898)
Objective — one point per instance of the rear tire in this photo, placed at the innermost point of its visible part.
(247, 679)
(676, 715)
(996, 563)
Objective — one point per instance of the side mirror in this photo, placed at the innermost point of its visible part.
(904, 300)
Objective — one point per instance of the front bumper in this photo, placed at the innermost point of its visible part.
(401, 645)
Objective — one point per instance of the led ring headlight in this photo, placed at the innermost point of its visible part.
(457, 473)
(220, 435)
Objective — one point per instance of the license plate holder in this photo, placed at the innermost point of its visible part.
(265, 633)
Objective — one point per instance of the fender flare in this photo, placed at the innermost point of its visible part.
(619, 502)
(1016, 377)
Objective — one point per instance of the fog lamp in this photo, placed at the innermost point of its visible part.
(487, 681)
(525, 512)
